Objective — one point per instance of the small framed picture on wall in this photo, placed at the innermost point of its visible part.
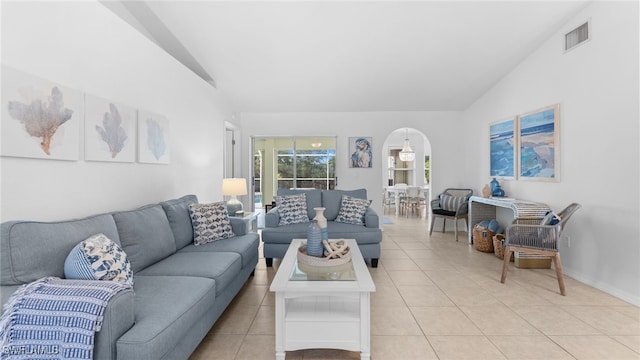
(360, 154)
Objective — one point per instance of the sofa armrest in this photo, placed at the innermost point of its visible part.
(371, 219)
(238, 226)
(272, 218)
(119, 317)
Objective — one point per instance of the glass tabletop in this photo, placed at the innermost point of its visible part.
(304, 272)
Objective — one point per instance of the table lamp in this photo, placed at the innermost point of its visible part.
(234, 187)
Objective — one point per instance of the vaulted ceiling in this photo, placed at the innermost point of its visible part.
(284, 56)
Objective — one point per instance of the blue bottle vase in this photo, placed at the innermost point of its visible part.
(314, 240)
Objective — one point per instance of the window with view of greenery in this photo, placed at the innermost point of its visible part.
(298, 162)
(427, 170)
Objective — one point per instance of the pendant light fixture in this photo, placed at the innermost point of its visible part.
(407, 153)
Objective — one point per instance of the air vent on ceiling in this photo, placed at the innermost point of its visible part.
(576, 36)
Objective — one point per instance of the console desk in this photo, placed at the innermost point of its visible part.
(485, 209)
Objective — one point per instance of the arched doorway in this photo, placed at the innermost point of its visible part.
(412, 173)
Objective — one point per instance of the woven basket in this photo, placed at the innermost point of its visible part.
(483, 239)
(321, 261)
(498, 248)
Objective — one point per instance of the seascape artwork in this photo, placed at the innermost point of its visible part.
(361, 154)
(502, 140)
(153, 138)
(539, 144)
(40, 119)
(109, 131)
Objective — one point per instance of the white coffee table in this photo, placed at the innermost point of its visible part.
(323, 310)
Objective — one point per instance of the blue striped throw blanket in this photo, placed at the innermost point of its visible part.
(54, 318)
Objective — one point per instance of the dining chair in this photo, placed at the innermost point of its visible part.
(412, 201)
(538, 237)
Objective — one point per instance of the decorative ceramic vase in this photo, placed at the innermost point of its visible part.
(498, 192)
(494, 183)
(314, 240)
(322, 222)
(486, 191)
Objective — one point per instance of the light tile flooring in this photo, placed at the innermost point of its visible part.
(441, 299)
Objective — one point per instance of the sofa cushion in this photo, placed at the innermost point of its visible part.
(352, 210)
(314, 198)
(98, 258)
(177, 211)
(223, 267)
(166, 307)
(332, 200)
(145, 235)
(31, 250)
(210, 222)
(292, 209)
(245, 245)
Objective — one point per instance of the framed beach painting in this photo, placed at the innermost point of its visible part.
(360, 152)
(153, 138)
(539, 133)
(503, 148)
(40, 118)
(110, 131)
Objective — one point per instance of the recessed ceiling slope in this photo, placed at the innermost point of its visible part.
(298, 56)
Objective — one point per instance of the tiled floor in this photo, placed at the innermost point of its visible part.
(438, 299)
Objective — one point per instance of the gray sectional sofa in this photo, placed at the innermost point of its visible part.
(276, 238)
(180, 290)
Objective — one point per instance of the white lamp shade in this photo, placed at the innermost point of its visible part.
(234, 186)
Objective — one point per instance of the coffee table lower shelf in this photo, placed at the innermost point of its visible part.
(322, 322)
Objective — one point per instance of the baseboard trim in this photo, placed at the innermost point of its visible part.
(633, 299)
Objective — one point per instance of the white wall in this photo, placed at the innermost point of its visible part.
(86, 47)
(596, 85)
(441, 128)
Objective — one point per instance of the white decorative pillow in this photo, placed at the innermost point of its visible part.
(352, 210)
(451, 203)
(98, 258)
(210, 222)
(292, 209)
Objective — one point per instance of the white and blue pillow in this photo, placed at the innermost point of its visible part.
(352, 210)
(210, 222)
(98, 258)
(292, 209)
(550, 218)
(451, 203)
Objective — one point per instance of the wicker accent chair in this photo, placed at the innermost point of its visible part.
(530, 237)
(452, 204)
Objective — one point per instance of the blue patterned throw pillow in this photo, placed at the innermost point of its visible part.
(98, 258)
(292, 209)
(210, 222)
(352, 210)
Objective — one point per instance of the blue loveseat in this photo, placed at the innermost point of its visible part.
(276, 237)
(180, 289)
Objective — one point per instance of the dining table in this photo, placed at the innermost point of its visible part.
(399, 190)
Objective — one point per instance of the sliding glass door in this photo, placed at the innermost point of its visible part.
(292, 163)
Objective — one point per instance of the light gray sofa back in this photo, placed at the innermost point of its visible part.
(30, 250)
(314, 198)
(332, 199)
(145, 235)
(177, 211)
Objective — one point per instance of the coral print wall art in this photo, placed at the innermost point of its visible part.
(40, 119)
(361, 154)
(502, 143)
(109, 130)
(540, 144)
(153, 138)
